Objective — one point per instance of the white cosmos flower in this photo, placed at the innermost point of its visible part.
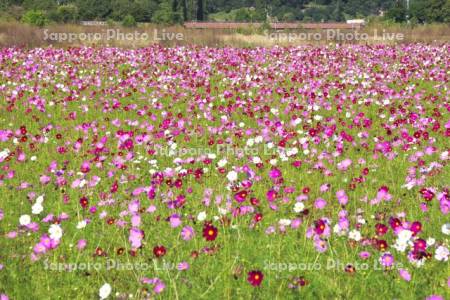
(222, 211)
(299, 207)
(442, 253)
(430, 241)
(303, 140)
(40, 199)
(37, 208)
(221, 163)
(257, 160)
(446, 229)
(201, 216)
(405, 235)
(285, 222)
(336, 228)
(81, 224)
(292, 151)
(55, 231)
(400, 246)
(360, 220)
(24, 220)
(354, 235)
(232, 176)
(105, 291)
(4, 154)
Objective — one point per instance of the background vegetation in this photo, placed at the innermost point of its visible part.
(41, 12)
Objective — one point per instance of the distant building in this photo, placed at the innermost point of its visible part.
(93, 23)
(273, 25)
(356, 22)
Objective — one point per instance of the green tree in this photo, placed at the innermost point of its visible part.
(185, 10)
(200, 10)
(177, 16)
(35, 18)
(437, 11)
(93, 10)
(164, 14)
(397, 12)
(337, 14)
(43, 5)
(242, 15)
(144, 9)
(129, 21)
(67, 13)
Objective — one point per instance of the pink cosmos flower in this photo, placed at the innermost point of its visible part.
(135, 220)
(320, 203)
(274, 173)
(344, 165)
(81, 244)
(187, 233)
(342, 197)
(405, 274)
(320, 245)
(183, 266)
(158, 284)
(387, 260)
(135, 237)
(175, 220)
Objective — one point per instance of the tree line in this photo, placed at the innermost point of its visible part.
(40, 12)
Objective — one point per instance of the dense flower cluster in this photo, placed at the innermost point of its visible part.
(339, 147)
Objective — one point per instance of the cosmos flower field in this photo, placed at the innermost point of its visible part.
(225, 173)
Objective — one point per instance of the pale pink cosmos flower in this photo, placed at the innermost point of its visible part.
(183, 266)
(81, 244)
(175, 220)
(187, 233)
(342, 197)
(404, 274)
(344, 165)
(320, 203)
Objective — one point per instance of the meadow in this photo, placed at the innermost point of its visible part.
(13, 33)
(190, 172)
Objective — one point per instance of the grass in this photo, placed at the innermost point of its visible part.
(16, 34)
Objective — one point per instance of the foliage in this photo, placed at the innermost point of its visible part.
(129, 21)
(164, 14)
(67, 13)
(421, 11)
(397, 13)
(177, 11)
(35, 17)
